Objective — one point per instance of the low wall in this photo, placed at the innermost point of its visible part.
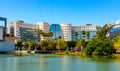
(7, 46)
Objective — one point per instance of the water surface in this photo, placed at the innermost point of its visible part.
(51, 62)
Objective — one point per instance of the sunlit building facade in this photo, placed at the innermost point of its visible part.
(22, 31)
(44, 26)
(66, 31)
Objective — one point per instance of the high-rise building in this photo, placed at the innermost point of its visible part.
(44, 26)
(56, 30)
(22, 31)
(66, 31)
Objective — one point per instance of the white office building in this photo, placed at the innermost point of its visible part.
(22, 31)
(66, 31)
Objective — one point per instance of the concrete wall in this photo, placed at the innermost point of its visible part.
(7, 46)
(1, 33)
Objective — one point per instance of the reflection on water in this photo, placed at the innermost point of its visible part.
(51, 62)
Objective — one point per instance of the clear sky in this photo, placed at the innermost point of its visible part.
(76, 12)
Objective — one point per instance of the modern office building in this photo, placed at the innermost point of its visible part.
(44, 26)
(66, 31)
(56, 30)
(115, 31)
(86, 28)
(22, 31)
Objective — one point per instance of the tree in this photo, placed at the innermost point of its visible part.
(33, 45)
(50, 44)
(29, 43)
(83, 33)
(88, 35)
(44, 44)
(71, 44)
(19, 45)
(26, 45)
(100, 46)
(40, 32)
(50, 34)
(59, 37)
(61, 44)
(76, 34)
(104, 31)
(81, 43)
(116, 42)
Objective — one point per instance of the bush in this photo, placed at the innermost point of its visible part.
(100, 46)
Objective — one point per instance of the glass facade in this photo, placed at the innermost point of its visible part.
(56, 30)
(80, 35)
(115, 31)
(26, 33)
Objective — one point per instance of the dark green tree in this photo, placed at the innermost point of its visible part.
(100, 46)
(88, 34)
(81, 43)
(19, 45)
(83, 33)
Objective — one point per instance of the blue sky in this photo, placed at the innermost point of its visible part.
(76, 12)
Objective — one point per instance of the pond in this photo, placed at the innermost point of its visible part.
(52, 62)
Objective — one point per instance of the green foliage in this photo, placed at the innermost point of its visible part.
(26, 45)
(88, 34)
(116, 42)
(100, 46)
(71, 43)
(33, 45)
(61, 44)
(103, 32)
(80, 42)
(50, 44)
(46, 44)
(19, 45)
(83, 33)
(76, 34)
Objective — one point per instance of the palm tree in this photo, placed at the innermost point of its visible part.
(76, 34)
(105, 30)
(83, 33)
(88, 35)
(80, 44)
